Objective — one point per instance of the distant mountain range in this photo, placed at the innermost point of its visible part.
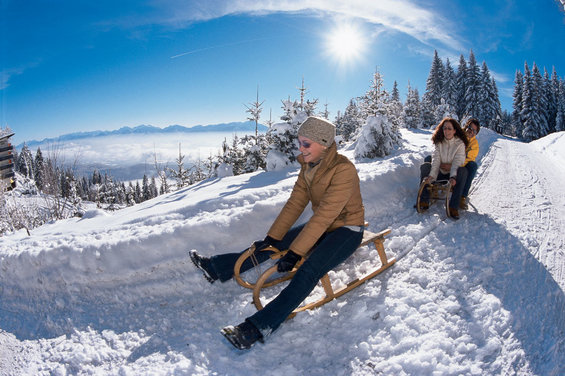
(248, 126)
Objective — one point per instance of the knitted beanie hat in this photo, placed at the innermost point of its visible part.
(318, 130)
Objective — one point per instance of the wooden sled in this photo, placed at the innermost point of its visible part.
(250, 254)
(439, 190)
(264, 280)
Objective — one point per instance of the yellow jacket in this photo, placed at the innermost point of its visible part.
(336, 201)
(471, 151)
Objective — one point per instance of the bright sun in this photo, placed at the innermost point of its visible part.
(346, 43)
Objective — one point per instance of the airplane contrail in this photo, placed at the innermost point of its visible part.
(218, 46)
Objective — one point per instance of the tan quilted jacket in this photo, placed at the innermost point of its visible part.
(336, 201)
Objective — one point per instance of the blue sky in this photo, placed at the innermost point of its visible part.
(69, 66)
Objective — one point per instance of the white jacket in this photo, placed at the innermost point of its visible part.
(448, 151)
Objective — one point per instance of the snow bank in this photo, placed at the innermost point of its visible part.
(116, 294)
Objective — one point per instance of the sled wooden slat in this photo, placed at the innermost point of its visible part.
(368, 237)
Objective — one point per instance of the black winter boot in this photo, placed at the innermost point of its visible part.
(242, 336)
(204, 264)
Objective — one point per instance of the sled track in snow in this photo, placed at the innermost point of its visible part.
(539, 201)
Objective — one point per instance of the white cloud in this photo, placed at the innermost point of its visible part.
(500, 77)
(5, 76)
(403, 16)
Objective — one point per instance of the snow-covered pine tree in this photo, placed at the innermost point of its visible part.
(473, 100)
(394, 108)
(483, 112)
(38, 169)
(105, 191)
(153, 188)
(444, 110)
(449, 88)
(373, 102)
(499, 121)
(254, 152)
(326, 113)
(270, 121)
(528, 115)
(350, 122)
(302, 90)
(490, 109)
(283, 147)
(427, 114)
(24, 164)
(145, 190)
(290, 109)
(96, 177)
(50, 178)
(517, 104)
(434, 88)
(551, 90)
(461, 87)
(236, 157)
(376, 138)
(161, 171)
(560, 116)
(222, 168)
(65, 183)
(180, 175)
(200, 171)
(283, 150)
(541, 102)
(254, 110)
(338, 126)
(130, 194)
(84, 188)
(138, 194)
(507, 127)
(75, 200)
(310, 107)
(411, 116)
(378, 135)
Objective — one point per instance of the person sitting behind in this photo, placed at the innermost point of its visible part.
(472, 129)
(449, 155)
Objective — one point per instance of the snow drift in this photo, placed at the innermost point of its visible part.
(116, 293)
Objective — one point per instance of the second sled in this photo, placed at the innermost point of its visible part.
(439, 190)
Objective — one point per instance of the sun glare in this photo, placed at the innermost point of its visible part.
(346, 43)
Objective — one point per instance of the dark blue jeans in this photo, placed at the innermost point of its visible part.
(331, 250)
(471, 172)
(459, 182)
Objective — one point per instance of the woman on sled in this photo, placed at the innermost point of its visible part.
(450, 142)
(328, 181)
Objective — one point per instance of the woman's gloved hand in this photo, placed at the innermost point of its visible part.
(262, 244)
(287, 262)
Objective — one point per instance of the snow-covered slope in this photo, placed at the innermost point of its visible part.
(116, 294)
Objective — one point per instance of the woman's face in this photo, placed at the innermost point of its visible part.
(448, 130)
(311, 151)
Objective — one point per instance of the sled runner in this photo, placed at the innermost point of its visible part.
(271, 277)
(438, 190)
